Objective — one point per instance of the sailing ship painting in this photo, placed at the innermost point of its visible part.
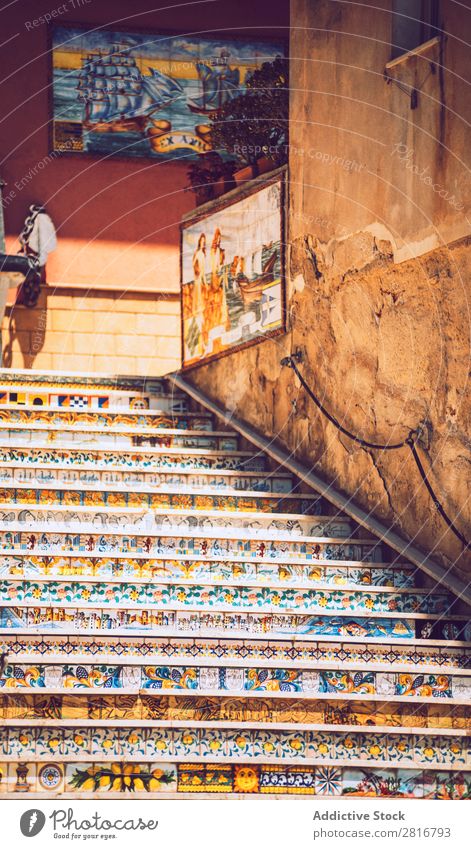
(232, 275)
(138, 94)
(116, 96)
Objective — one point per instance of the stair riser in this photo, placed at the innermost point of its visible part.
(226, 623)
(42, 438)
(36, 567)
(127, 422)
(157, 779)
(107, 480)
(63, 502)
(25, 462)
(238, 680)
(86, 396)
(208, 597)
(106, 745)
(49, 648)
(85, 707)
(87, 541)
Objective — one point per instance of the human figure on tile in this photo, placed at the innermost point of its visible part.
(200, 294)
(218, 291)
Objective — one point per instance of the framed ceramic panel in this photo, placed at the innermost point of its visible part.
(135, 94)
(232, 274)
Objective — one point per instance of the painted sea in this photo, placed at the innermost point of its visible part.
(67, 107)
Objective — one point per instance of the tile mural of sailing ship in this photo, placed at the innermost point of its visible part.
(143, 94)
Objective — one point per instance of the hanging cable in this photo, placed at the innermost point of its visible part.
(410, 440)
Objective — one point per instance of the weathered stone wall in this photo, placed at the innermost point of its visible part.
(379, 261)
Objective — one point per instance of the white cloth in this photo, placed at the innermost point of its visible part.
(42, 239)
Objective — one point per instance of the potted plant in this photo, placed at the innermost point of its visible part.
(210, 176)
(254, 125)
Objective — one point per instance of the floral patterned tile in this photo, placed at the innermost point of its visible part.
(133, 743)
(186, 742)
(158, 743)
(105, 742)
(213, 743)
(401, 748)
(77, 741)
(49, 742)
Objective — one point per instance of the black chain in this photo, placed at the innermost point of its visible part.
(28, 294)
(34, 210)
(410, 441)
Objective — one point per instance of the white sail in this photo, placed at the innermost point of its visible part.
(99, 107)
(115, 89)
(123, 103)
(257, 262)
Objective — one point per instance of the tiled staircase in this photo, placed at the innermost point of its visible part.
(178, 616)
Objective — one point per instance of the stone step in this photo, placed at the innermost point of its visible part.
(127, 724)
(215, 540)
(40, 389)
(153, 572)
(424, 655)
(170, 708)
(224, 595)
(223, 482)
(168, 424)
(222, 744)
(50, 438)
(142, 567)
(76, 459)
(210, 501)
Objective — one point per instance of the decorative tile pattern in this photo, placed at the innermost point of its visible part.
(142, 555)
(240, 743)
(386, 654)
(223, 678)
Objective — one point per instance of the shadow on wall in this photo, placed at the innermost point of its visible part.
(27, 328)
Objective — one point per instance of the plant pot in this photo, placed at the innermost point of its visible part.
(244, 174)
(229, 183)
(219, 187)
(265, 164)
